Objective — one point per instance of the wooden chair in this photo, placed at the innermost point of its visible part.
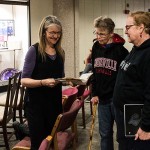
(60, 137)
(7, 111)
(20, 103)
(69, 96)
(19, 98)
(83, 93)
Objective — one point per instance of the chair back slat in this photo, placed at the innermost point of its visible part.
(19, 104)
(22, 96)
(12, 96)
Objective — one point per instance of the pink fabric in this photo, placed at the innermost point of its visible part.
(64, 138)
(86, 93)
(25, 142)
(76, 104)
(44, 145)
(69, 91)
(72, 96)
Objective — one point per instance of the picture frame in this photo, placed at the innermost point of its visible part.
(132, 118)
(6, 29)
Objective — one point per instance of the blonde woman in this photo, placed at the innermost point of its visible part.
(43, 64)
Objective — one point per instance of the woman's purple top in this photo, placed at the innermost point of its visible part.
(30, 60)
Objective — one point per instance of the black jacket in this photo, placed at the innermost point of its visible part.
(133, 82)
(105, 62)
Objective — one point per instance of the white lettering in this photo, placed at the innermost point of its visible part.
(105, 63)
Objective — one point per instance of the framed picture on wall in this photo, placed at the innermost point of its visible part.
(6, 29)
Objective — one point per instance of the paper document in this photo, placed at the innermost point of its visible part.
(84, 77)
(82, 80)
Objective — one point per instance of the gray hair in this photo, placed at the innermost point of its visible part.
(104, 22)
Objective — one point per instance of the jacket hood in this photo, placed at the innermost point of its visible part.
(118, 39)
(144, 45)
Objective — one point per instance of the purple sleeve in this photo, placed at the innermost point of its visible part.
(29, 63)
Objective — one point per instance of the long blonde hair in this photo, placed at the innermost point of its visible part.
(47, 21)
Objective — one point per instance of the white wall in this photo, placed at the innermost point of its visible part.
(21, 33)
(90, 9)
(19, 40)
(38, 10)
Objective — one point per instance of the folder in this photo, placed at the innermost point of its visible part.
(132, 118)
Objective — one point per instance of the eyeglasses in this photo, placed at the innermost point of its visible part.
(100, 34)
(54, 33)
(127, 27)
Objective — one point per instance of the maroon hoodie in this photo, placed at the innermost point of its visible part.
(118, 39)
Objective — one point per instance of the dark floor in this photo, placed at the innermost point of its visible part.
(83, 134)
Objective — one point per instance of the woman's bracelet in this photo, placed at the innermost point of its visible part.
(41, 82)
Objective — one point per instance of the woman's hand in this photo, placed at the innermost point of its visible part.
(95, 100)
(142, 135)
(50, 82)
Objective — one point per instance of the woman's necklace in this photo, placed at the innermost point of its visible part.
(51, 53)
(53, 57)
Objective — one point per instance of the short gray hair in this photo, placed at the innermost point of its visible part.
(104, 22)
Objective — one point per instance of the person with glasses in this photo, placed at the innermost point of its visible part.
(133, 82)
(107, 53)
(44, 62)
(88, 61)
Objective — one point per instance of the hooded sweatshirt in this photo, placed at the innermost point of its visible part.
(133, 82)
(105, 62)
